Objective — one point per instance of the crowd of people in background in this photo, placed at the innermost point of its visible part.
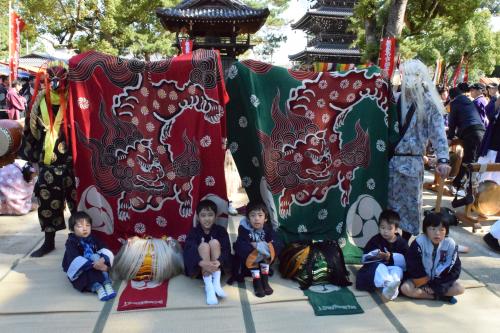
(15, 98)
(471, 115)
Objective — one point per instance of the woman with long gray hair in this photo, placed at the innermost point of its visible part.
(420, 120)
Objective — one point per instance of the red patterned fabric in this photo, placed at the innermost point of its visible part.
(143, 295)
(147, 141)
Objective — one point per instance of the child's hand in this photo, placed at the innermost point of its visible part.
(209, 266)
(427, 290)
(100, 265)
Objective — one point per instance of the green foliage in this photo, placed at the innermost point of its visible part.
(436, 29)
(118, 27)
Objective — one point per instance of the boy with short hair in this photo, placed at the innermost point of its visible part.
(433, 263)
(256, 246)
(207, 250)
(86, 261)
(384, 258)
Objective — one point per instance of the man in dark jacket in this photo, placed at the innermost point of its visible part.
(465, 122)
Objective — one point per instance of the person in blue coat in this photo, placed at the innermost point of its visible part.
(207, 250)
(384, 258)
(86, 260)
(256, 246)
(433, 265)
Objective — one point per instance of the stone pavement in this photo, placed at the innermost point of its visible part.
(35, 296)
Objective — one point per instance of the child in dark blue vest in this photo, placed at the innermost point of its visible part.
(86, 261)
(433, 263)
(207, 250)
(384, 258)
(256, 246)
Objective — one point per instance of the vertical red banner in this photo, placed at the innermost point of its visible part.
(387, 55)
(16, 26)
(457, 73)
(186, 46)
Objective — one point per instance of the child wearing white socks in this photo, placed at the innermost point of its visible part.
(207, 250)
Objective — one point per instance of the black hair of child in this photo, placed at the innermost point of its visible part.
(256, 206)
(433, 219)
(390, 217)
(75, 217)
(207, 205)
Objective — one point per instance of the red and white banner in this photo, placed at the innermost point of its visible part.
(457, 73)
(16, 25)
(187, 46)
(437, 71)
(387, 55)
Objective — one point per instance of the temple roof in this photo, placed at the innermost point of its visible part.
(328, 51)
(213, 15)
(323, 13)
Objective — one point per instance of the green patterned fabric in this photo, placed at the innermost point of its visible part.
(313, 146)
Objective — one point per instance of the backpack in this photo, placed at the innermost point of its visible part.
(314, 262)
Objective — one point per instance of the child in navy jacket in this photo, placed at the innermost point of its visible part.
(207, 250)
(256, 246)
(433, 263)
(384, 258)
(86, 261)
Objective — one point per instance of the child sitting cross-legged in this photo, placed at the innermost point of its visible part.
(86, 261)
(255, 246)
(207, 250)
(383, 258)
(433, 263)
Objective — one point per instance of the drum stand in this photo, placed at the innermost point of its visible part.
(467, 214)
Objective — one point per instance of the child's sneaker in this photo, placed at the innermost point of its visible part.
(265, 284)
(448, 299)
(101, 294)
(110, 292)
(391, 290)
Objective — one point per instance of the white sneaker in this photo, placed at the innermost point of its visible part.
(101, 294)
(210, 291)
(391, 290)
(109, 291)
(217, 287)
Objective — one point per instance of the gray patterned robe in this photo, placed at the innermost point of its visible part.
(406, 173)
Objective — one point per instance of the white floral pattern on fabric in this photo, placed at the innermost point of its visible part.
(130, 162)
(170, 175)
(357, 84)
(322, 214)
(254, 100)
(161, 221)
(339, 227)
(171, 108)
(139, 228)
(206, 141)
(144, 92)
(173, 96)
(321, 103)
(192, 90)
(233, 71)
(83, 103)
(332, 138)
(350, 97)
(334, 95)
(344, 83)
(379, 83)
(162, 94)
(246, 181)
(161, 149)
(144, 110)
(297, 157)
(370, 184)
(233, 147)
(156, 105)
(325, 118)
(301, 229)
(310, 115)
(150, 127)
(135, 121)
(323, 84)
(210, 181)
(255, 161)
(181, 238)
(314, 141)
(342, 242)
(380, 145)
(300, 196)
(243, 122)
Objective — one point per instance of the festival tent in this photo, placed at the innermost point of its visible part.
(4, 71)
